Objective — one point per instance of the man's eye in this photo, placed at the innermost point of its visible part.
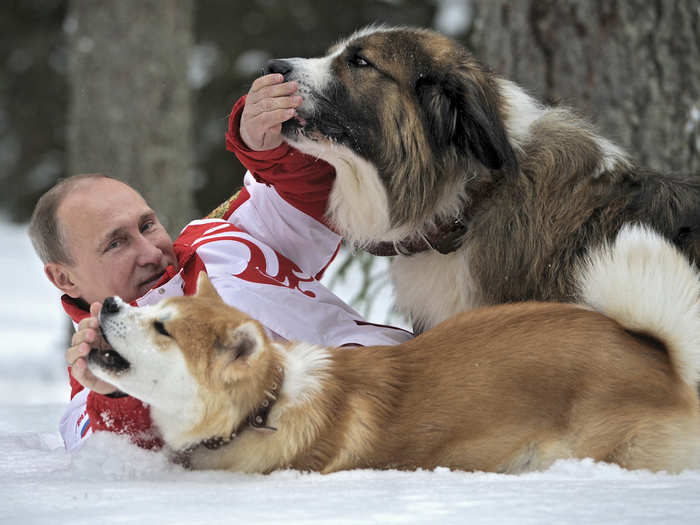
(147, 226)
(358, 61)
(160, 328)
(113, 245)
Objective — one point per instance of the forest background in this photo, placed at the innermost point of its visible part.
(141, 89)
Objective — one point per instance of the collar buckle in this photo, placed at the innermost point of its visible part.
(257, 419)
(450, 237)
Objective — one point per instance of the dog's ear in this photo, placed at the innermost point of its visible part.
(460, 111)
(204, 287)
(238, 347)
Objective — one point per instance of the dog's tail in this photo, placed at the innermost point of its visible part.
(643, 282)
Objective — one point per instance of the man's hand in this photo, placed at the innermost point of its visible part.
(88, 336)
(270, 102)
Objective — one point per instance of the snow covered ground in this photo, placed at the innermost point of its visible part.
(111, 481)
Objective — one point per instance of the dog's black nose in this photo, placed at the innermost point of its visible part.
(109, 306)
(278, 65)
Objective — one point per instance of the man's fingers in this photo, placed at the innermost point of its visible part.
(82, 375)
(85, 335)
(272, 104)
(77, 351)
(79, 369)
(95, 309)
(275, 131)
(265, 81)
(88, 322)
(269, 103)
(264, 121)
(264, 131)
(276, 91)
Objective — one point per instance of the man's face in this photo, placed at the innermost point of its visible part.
(116, 242)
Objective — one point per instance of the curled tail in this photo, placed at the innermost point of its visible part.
(643, 282)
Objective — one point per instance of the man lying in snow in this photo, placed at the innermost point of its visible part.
(265, 252)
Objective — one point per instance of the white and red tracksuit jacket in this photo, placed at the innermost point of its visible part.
(265, 258)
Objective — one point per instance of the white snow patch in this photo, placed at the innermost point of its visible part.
(33, 327)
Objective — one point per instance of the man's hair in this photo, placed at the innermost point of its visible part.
(45, 231)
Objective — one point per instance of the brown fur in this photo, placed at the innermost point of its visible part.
(447, 138)
(503, 389)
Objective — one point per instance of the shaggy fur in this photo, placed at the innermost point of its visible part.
(421, 133)
(509, 388)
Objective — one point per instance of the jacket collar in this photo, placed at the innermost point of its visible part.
(77, 309)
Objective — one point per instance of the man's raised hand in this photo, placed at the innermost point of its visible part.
(88, 336)
(270, 102)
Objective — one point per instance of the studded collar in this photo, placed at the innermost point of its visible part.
(445, 237)
(257, 419)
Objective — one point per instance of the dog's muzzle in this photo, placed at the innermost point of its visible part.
(108, 358)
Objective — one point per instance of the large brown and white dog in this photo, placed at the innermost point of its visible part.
(509, 388)
(486, 195)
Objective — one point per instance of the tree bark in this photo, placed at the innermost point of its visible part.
(129, 111)
(630, 66)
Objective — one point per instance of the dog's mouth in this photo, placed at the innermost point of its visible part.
(108, 359)
(294, 126)
(309, 128)
(300, 120)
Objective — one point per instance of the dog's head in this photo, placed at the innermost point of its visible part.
(410, 102)
(196, 359)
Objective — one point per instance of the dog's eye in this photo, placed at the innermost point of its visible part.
(160, 328)
(358, 61)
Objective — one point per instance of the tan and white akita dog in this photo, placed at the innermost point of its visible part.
(509, 388)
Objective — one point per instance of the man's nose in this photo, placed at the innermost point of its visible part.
(149, 253)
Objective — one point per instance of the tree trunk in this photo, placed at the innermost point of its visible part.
(631, 66)
(129, 114)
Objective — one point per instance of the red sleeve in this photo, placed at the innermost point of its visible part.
(124, 415)
(302, 180)
(75, 387)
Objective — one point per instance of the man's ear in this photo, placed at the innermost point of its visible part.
(204, 287)
(460, 113)
(239, 347)
(61, 278)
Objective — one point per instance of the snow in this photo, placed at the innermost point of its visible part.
(112, 481)
(346, 284)
(32, 327)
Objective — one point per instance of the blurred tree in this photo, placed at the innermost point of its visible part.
(632, 66)
(129, 110)
(33, 101)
